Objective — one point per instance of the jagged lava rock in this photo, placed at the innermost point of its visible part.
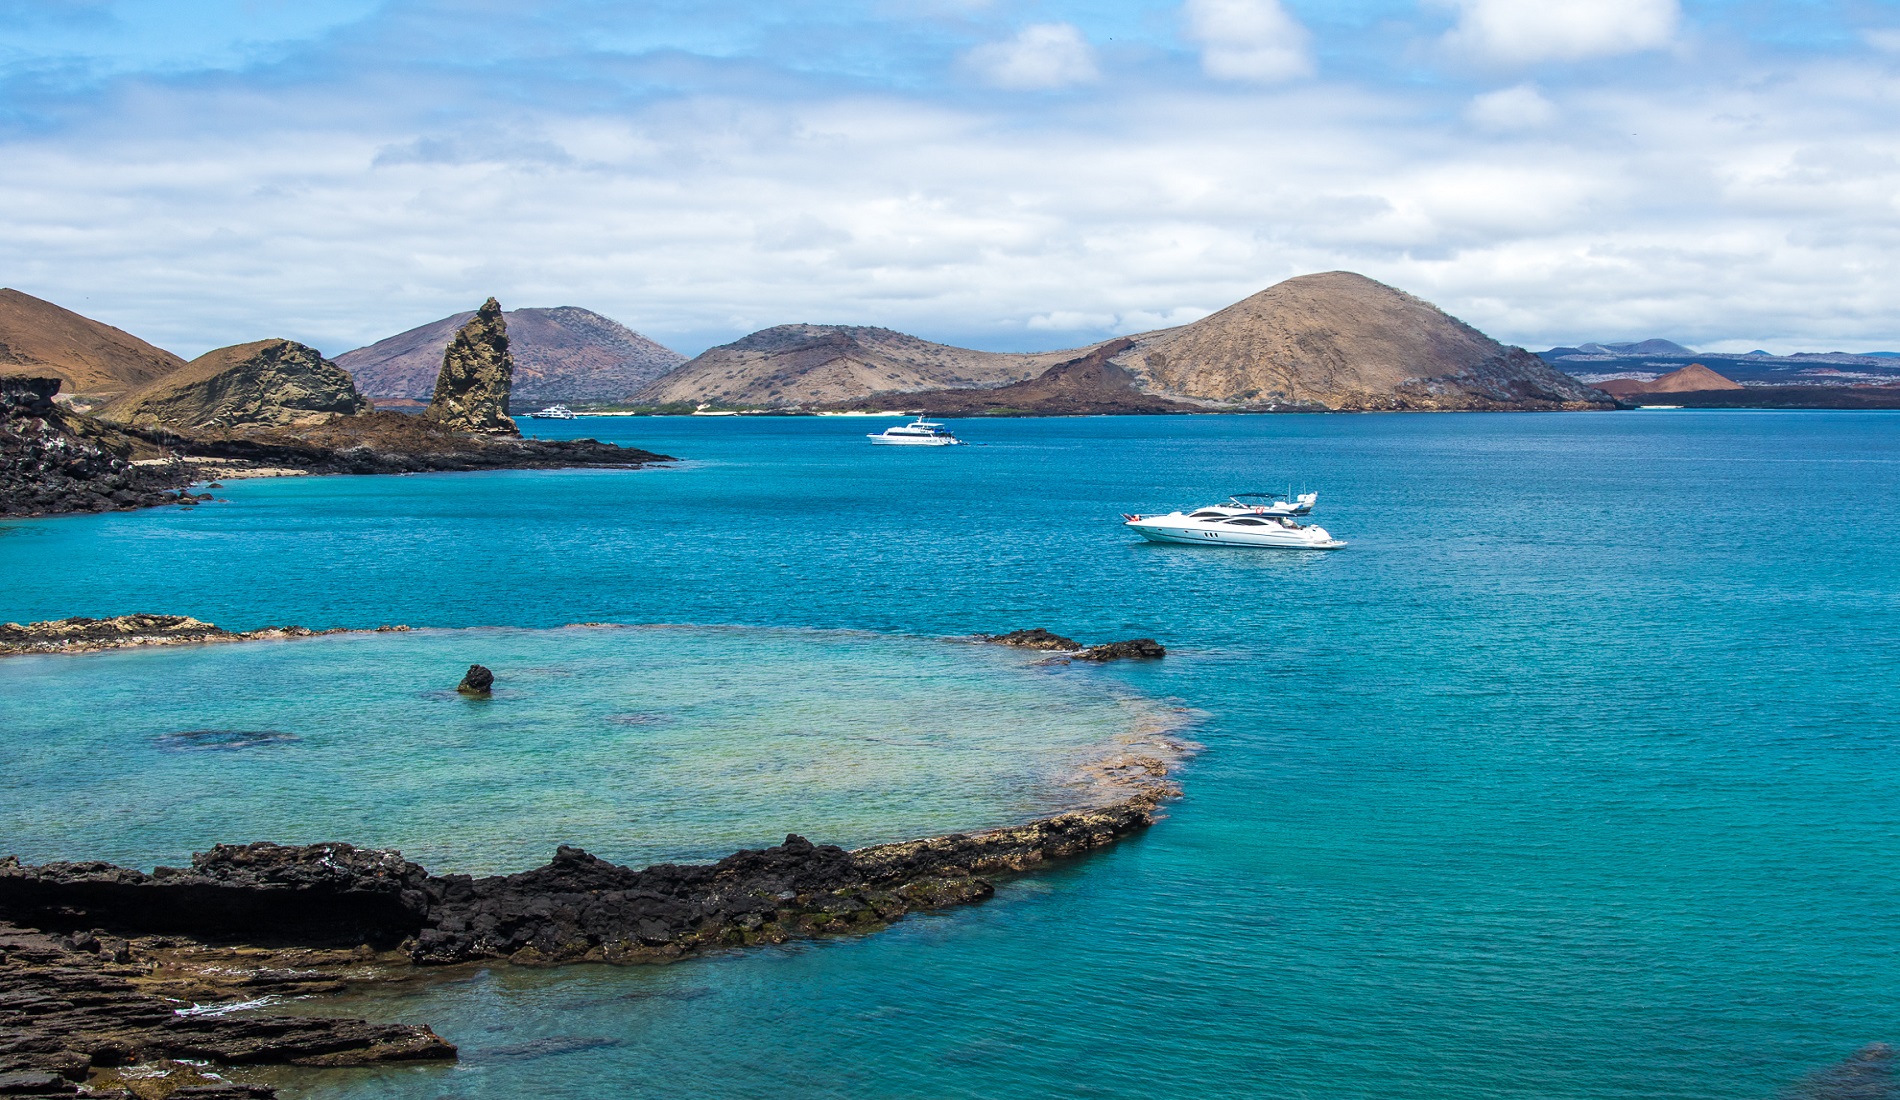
(1033, 638)
(53, 460)
(471, 392)
(266, 383)
(1136, 648)
(477, 681)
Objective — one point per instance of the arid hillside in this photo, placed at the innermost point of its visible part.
(827, 364)
(40, 339)
(1331, 341)
(561, 354)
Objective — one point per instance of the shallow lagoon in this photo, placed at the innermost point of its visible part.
(1572, 777)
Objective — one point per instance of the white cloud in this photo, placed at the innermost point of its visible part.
(1254, 40)
(1525, 31)
(1042, 55)
(1885, 39)
(1507, 109)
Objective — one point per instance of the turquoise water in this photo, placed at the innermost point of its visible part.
(1573, 776)
(644, 745)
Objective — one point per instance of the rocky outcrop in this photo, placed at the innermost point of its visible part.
(391, 443)
(1039, 638)
(471, 392)
(266, 383)
(564, 353)
(477, 681)
(41, 340)
(74, 1007)
(1033, 638)
(83, 635)
(576, 908)
(1133, 648)
(55, 461)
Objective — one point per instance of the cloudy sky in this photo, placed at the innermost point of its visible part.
(996, 173)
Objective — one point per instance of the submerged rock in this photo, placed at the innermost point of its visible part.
(471, 392)
(1139, 648)
(477, 681)
(1868, 1075)
(1033, 638)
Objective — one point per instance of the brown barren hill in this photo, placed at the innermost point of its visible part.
(1339, 340)
(41, 339)
(1089, 385)
(563, 353)
(833, 364)
(1694, 378)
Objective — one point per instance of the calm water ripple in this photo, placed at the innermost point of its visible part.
(1572, 777)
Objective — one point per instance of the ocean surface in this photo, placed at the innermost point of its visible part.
(1575, 775)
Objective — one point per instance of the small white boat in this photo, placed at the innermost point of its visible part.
(917, 433)
(553, 412)
(1247, 519)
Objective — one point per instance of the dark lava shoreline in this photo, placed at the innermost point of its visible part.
(102, 968)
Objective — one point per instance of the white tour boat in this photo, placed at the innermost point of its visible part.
(1247, 519)
(553, 412)
(917, 433)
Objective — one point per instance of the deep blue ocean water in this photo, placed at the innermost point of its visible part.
(1573, 776)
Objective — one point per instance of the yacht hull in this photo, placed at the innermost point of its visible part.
(922, 441)
(1206, 535)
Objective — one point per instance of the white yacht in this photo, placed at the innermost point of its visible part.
(553, 412)
(1247, 519)
(917, 433)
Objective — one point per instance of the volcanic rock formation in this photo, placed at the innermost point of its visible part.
(1339, 340)
(267, 383)
(53, 460)
(1694, 378)
(471, 392)
(561, 354)
(40, 339)
(831, 364)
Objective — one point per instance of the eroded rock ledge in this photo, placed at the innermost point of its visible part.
(84, 635)
(97, 960)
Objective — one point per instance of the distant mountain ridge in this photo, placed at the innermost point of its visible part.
(805, 364)
(562, 353)
(1594, 363)
(1336, 340)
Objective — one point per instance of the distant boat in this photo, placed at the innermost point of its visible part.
(553, 412)
(1247, 519)
(1641, 407)
(917, 433)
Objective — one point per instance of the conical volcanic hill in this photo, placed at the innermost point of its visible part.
(1330, 341)
(40, 339)
(1339, 340)
(563, 353)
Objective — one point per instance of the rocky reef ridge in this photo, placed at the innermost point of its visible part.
(83, 635)
(1071, 650)
(471, 391)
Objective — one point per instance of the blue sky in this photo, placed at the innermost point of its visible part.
(999, 174)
